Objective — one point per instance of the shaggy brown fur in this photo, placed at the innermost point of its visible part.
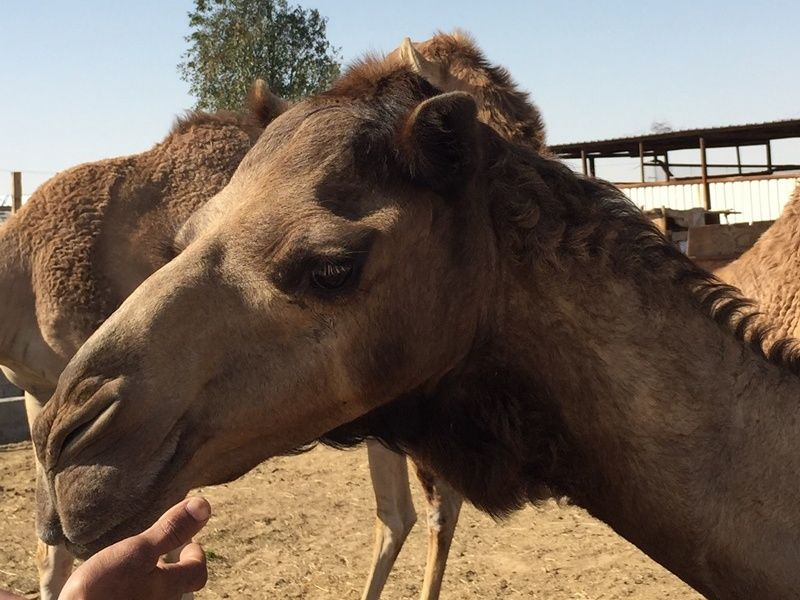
(68, 235)
(545, 215)
(502, 106)
(769, 272)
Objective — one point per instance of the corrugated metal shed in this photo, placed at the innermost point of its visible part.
(715, 137)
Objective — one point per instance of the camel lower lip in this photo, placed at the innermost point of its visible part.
(80, 551)
(137, 520)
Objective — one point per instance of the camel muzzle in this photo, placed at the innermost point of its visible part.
(49, 529)
(71, 431)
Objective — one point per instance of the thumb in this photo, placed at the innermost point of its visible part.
(177, 526)
(189, 574)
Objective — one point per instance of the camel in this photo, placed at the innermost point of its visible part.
(89, 236)
(769, 272)
(139, 203)
(386, 265)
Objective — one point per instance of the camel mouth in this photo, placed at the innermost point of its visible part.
(169, 459)
(82, 552)
(51, 532)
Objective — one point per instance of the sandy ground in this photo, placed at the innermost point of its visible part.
(301, 527)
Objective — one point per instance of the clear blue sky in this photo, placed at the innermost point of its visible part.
(87, 79)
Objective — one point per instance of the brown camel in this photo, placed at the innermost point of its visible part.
(138, 204)
(90, 236)
(387, 265)
(769, 272)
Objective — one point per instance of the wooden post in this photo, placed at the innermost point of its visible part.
(769, 156)
(641, 160)
(16, 191)
(583, 161)
(666, 163)
(591, 167)
(738, 160)
(704, 175)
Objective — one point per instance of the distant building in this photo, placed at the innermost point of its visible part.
(745, 191)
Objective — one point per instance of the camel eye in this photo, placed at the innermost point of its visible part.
(332, 276)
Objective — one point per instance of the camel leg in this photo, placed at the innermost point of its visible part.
(54, 563)
(444, 505)
(395, 513)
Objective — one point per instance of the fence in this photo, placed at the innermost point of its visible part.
(13, 202)
(751, 198)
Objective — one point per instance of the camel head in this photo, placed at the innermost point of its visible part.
(351, 239)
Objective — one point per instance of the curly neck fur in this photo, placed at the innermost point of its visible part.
(616, 373)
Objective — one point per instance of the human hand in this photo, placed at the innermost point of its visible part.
(132, 568)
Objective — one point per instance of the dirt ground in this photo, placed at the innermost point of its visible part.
(301, 527)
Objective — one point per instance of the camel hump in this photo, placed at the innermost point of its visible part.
(264, 105)
(15, 281)
(10, 251)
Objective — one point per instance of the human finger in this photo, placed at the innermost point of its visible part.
(177, 526)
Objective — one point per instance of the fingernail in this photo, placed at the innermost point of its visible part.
(199, 508)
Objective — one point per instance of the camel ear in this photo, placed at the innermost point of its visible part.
(419, 64)
(438, 140)
(263, 105)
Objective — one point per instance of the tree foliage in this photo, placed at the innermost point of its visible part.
(234, 42)
(660, 127)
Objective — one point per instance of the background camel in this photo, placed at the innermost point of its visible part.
(462, 297)
(110, 224)
(451, 62)
(769, 272)
(89, 236)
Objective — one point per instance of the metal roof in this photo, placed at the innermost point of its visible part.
(715, 137)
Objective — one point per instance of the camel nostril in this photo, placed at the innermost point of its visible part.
(74, 434)
(72, 430)
(84, 430)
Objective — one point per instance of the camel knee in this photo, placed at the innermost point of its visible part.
(443, 516)
(397, 524)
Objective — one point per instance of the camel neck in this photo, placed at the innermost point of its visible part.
(14, 290)
(27, 359)
(685, 436)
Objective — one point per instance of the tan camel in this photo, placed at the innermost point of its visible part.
(769, 272)
(386, 265)
(90, 236)
(138, 204)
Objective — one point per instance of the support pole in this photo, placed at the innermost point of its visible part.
(641, 160)
(739, 160)
(769, 156)
(704, 175)
(16, 191)
(583, 162)
(591, 167)
(666, 164)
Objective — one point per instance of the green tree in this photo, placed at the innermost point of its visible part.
(234, 42)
